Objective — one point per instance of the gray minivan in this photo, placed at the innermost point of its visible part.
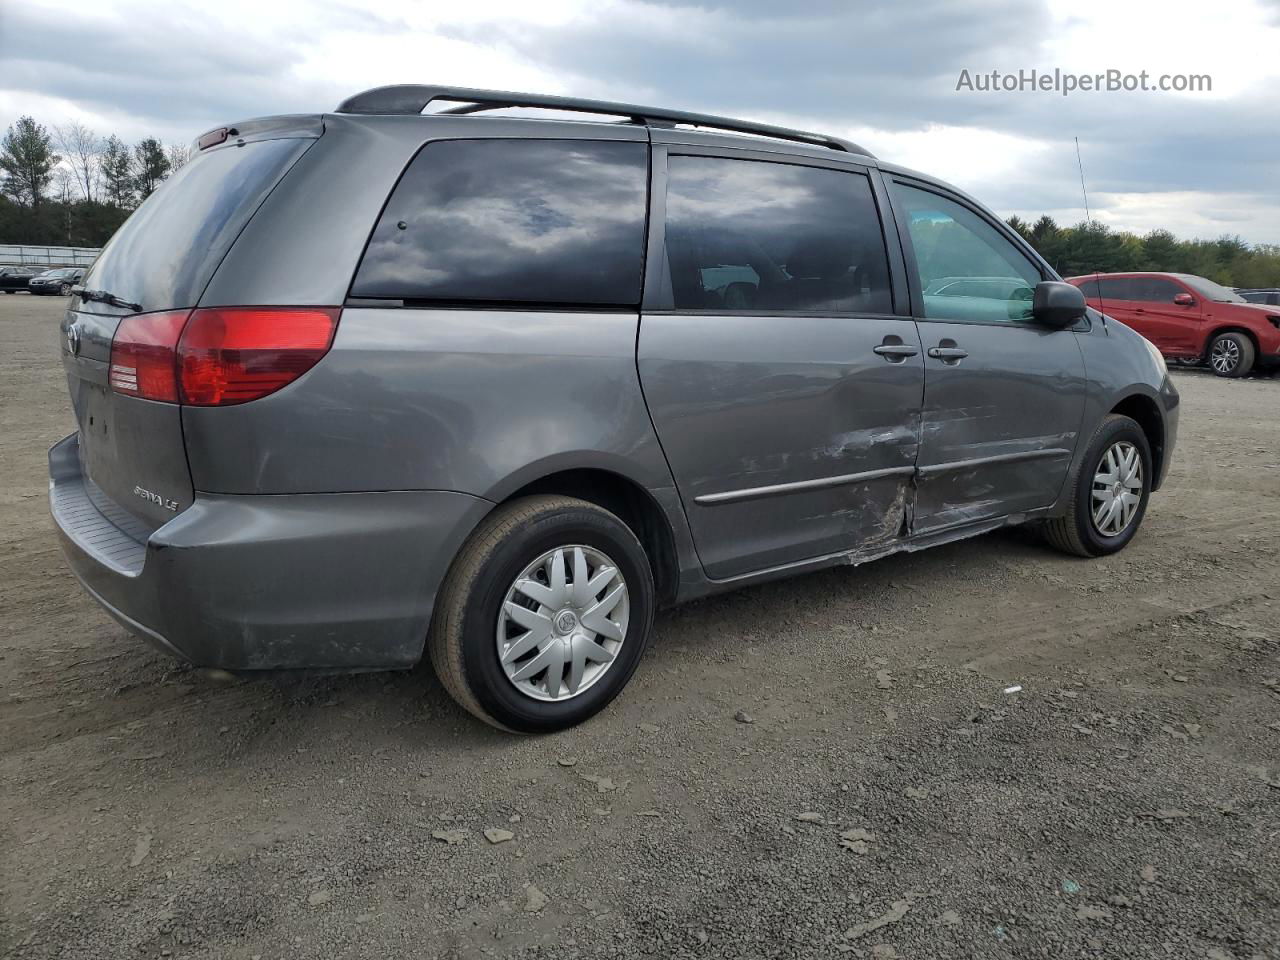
(358, 385)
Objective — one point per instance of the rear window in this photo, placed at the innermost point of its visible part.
(526, 221)
(165, 253)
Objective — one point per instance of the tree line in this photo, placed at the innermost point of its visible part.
(1092, 247)
(69, 186)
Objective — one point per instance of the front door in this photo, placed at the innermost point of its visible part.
(1173, 327)
(1004, 397)
(784, 389)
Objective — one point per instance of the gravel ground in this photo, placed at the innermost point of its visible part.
(815, 768)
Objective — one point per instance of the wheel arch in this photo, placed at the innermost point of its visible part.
(632, 503)
(1145, 411)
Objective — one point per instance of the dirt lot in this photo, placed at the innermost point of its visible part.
(1126, 803)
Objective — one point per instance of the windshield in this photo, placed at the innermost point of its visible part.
(1212, 291)
(56, 273)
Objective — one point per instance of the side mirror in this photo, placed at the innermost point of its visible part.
(1057, 304)
(1184, 299)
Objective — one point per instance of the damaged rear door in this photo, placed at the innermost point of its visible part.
(784, 388)
(1004, 396)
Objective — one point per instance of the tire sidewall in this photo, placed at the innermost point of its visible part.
(1111, 432)
(481, 667)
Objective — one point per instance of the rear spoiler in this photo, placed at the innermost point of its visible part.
(288, 126)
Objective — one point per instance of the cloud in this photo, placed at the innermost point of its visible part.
(883, 75)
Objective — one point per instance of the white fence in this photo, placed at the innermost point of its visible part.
(33, 255)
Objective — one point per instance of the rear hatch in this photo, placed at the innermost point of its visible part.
(131, 450)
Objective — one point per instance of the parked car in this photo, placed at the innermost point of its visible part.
(1189, 318)
(13, 279)
(56, 282)
(355, 386)
(1265, 295)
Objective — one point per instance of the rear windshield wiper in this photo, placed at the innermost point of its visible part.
(102, 296)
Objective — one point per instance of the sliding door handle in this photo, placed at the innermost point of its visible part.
(894, 352)
(948, 354)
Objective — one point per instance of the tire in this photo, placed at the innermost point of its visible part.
(1077, 532)
(11, 291)
(471, 612)
(1231, 354)
(64, 290)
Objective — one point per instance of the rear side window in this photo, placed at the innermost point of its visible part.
(1119, 288)
(526, 221)
(1089, 288)
(165, 253)
(752, 235)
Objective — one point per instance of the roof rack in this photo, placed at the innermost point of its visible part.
(410, 99)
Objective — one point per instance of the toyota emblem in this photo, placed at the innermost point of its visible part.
(73, 340)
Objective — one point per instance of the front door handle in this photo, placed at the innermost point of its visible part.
(896, 352)
(948, 352)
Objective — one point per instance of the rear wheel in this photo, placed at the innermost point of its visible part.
(1231, 354)
(544, 615)
(1109, 492)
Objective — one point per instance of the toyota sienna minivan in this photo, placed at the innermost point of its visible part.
(358, 386)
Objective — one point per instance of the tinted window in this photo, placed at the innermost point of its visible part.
(543, 221)
(166, 252)
(968, 269)
(752, 235)
(1090, 289)
(1157, 289)
(1120, 288)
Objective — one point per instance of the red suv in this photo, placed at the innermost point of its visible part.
(1189, 318)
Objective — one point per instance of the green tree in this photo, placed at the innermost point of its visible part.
(150, 166)
(117, 173)
(27, 161)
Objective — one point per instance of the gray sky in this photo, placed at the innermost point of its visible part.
(1199, 163)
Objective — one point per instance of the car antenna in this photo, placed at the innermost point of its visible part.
(1088, 219)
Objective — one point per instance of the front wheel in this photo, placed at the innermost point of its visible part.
(1231, 355)
(544, 615)
(1109, 491)
(65, 289)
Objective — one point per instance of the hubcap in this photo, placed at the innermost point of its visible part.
(1226, 355)
(1117, 489)
(562, 623)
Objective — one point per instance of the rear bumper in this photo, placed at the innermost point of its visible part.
(342, 581)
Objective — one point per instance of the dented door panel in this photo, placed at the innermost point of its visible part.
(789, 437)
(1000, 425)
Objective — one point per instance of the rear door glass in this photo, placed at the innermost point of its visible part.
(1119, 288)
(744, 235)
(513, 221)
(167, 251)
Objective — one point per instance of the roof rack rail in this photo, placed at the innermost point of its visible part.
(409, 99)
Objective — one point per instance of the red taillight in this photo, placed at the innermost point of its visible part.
(218, 356)
(142, 355)
(235, 354)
